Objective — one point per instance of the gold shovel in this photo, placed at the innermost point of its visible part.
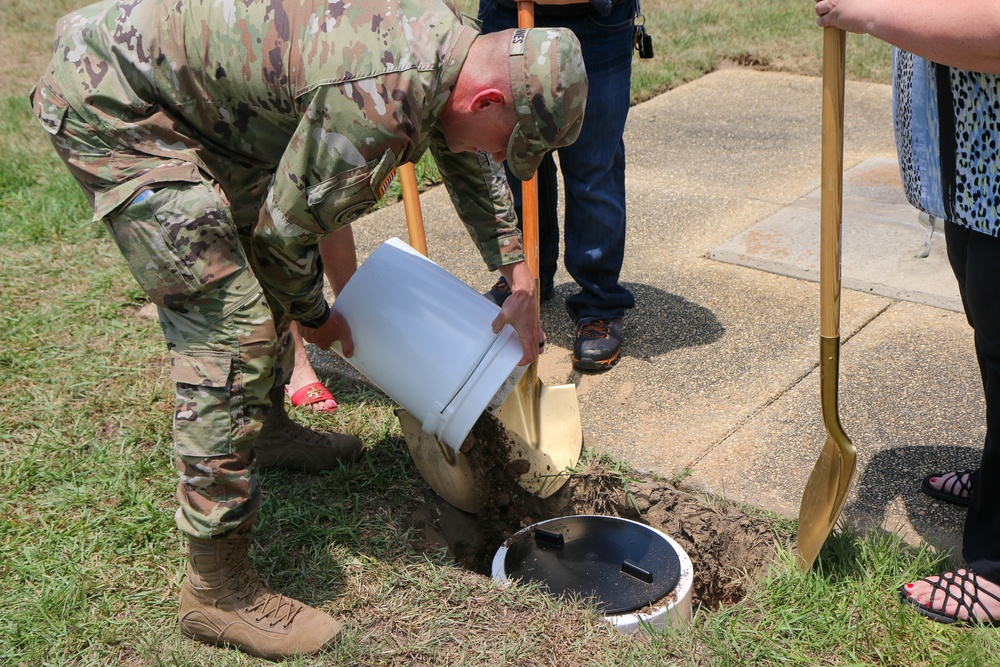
(831, 477)
(543, 421)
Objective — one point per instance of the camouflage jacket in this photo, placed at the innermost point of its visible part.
(323, 97)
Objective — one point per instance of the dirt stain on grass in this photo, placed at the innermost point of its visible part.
(726, 544)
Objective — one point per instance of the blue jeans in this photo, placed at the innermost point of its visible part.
(593, 168)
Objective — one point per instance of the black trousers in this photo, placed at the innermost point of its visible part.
(975, 259)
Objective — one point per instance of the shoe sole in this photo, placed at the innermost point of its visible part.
(926, 611)
(253, 650)
(595, 364)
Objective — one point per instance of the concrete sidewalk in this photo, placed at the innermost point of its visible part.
(719, 379)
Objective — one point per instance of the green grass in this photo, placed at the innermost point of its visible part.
(844, 612)
(692, 38)
(90, 560)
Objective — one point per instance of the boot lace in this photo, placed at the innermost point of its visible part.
(596, 329)
(260, 599)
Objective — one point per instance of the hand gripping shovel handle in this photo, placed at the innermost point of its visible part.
(831, 477)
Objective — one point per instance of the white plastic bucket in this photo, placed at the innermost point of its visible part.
(425, 338)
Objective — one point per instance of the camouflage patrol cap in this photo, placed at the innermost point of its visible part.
(549, 82)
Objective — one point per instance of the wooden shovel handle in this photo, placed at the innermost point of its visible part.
(411, 206)
(529, 188)
(832, 181)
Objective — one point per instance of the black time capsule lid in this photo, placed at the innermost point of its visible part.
(621, 565)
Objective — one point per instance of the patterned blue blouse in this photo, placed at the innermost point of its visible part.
(947, 125)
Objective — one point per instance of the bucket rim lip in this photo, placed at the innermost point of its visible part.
(453, 423)
(684, 584)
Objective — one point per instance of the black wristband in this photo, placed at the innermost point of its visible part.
(319, 321)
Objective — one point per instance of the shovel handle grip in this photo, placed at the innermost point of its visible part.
(832, 180)
(525, 14)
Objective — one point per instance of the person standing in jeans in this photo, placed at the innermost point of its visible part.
(593, 171)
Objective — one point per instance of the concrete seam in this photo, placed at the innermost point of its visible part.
(777, 395)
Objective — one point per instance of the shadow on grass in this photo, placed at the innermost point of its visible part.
(311, 526)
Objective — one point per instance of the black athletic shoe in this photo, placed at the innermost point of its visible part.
(501, 290)
(598, 344)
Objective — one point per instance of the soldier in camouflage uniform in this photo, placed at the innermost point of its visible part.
(219, 141)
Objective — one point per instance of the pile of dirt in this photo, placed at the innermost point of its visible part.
(724, 543)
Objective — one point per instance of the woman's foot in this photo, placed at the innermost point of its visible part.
(314, 395)
(304, 387)
(953, 487)
(955, 597)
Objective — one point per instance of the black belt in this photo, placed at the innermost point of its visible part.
(576, 9)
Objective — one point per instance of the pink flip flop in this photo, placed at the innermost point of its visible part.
(311, 394)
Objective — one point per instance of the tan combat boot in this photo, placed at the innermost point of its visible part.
(224, 602)
(282, 443)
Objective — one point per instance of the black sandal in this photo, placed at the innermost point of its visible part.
(953, 491)
(943, 584)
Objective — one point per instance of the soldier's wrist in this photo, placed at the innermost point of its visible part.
(317, 322)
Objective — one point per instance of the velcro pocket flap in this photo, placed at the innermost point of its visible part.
(49, 107)
(201, 368)
(152, 173)
(339, 201)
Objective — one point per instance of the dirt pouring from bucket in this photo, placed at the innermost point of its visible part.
(726, 544)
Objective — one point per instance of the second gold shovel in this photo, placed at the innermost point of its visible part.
(830, 480)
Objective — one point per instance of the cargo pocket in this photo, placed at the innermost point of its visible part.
(203, 422)
(339, 201)
(49, 107)
(179, 243)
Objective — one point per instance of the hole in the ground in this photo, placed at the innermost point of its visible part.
(724, 543)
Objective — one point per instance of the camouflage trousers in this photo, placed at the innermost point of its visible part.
(188, 248)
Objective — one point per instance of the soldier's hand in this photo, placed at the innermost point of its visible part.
(520, 310)
(334, 329)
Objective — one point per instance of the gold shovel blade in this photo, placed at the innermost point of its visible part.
(823, 500)
(831, 477)
(446, 471)
(545, 430)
